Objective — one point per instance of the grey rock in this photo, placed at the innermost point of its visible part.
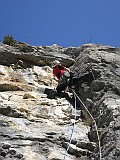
(1, 150)
(5, 110)
(1, 157)
(9, 110)
(97, 85)
(33, 119)
(3, 153)
(29, 55)
(19, 156)
(12, 151)
(6, 146)
(103, 86)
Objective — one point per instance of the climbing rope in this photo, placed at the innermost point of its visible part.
(72, 130)
(99, 145)
(96, 128)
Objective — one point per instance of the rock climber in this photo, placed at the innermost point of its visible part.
(62, 74)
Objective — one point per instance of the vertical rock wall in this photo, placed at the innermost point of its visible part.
(99, 89)
(32, 126)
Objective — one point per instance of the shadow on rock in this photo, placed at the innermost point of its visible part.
(51, 93)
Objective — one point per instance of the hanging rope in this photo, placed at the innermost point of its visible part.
(72, 130)
(99, 146)
(96, 128)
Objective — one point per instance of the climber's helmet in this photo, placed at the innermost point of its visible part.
(55, 63)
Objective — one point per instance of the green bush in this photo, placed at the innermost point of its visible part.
(9, 40)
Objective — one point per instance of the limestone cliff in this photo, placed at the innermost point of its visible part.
(33, 126)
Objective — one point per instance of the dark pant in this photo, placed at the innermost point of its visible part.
(60, 88)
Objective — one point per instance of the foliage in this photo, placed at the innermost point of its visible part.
(9, 40)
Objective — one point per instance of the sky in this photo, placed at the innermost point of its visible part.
(63, 22)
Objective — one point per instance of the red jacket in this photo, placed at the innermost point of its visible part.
(58, 71)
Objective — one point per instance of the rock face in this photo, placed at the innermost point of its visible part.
(33, 126)
(30, 56)
(99, 89)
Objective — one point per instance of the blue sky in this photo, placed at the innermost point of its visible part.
(63, 22)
